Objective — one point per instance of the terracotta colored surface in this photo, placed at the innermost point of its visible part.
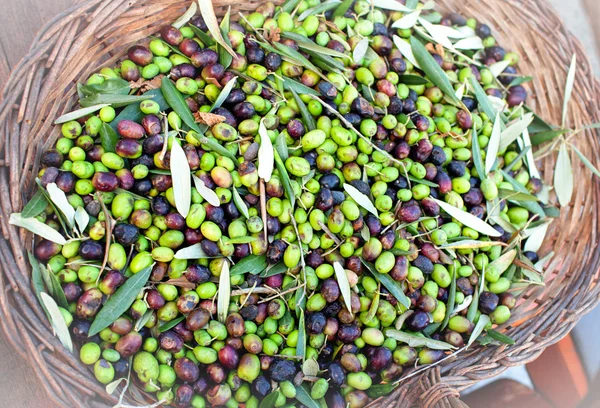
(505, 393)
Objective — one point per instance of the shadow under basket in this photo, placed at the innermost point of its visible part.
(95, 33)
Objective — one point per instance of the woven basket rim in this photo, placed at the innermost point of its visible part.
(53, 45)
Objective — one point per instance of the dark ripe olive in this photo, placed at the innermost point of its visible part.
(175, 221)
(330, 290)
(427, 303)
(430, 251)
(424, 264)
(276, 251)
(398, 65)
(417, 321)
(380, 359)
(338, 197)
(52, 158)
(336, 374)
(483, 31)
(414, 297)
(66, 181)
(421, 122)
(105, 181)
(265, 362)
(95, 153)
(126, 179)
(402, 150)
(442, 295)
(508, 300)
(464, 119)
(473, 197)
(236, 342)
(170, 341)
(273, 225)
(351, 363)
(505, 234)
(235, 325)
(192, 157)
(80, 329)
(197, 274)
(494, 92)
(336, 46)
(400, 269)
(282, 370)
(330, 181)
(126, 234)
(111, 281)
(241, 251)
(349, 332)
(255, 55)
(210, 248)
(243, 111)
(160, 205)
(231, 210)
(334, 399)
(140, 55)
(354, 264)
(249, 312)
(129, 344)
(171, 35)
(464, 286)
(183, 71)
(532, 256)
(274, 281)
(443, 181)
(295, 129)
(388, 240)
(154, 299)
(216, 373)
(93, 208)
(89, 303)
(273, 61)
(49, 176)
(159, 271)
(91, 250)
(128, 148)
(344, 316)
(235, 96)
(204, 57)
(193, 236)
(145, 159)
(228, 357)
(201, 386)
(373, 224)
(391, 373)
(408, 106)
(437, 156)
(198, 21)
(214, 71)
(327, 90)
(188, 47)
(430, 207)
(315, 322)
(183, 395)
(129, 129)
(457, 19)
(488, 302)
(209, 306)
(382, 44)
(324, 199)
(197, 319)
(72, 291)
(331, 310)
(261, 387)
(121, 368)
(218, 395)
(362, 107)
(409, 213)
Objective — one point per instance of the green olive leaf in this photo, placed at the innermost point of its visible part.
(169, 325)
(143, 320)
(177, 103)
(134, 113)
(116, 101)
(114, 86)
(530, 206)
(241, 240)
(476, 154)
(433, 71)
(309, 45)
(187, 16)
(240, 203)
(37, 227)
(270, 400)
(493, 145)
(300, 88)
(57, 321)
(79, 113)
(310, 367)
(482, 99)
(381, 390)
(499, 67)
(512, 132)
(108, 138)
(390, 284)
(474, 306)
(288, 6)
(206, 39)
(285, 179)
(536, 238)
(451, 301)
(319, 8)
(585, 161)
(360, 50)
(252, 264)
(520, 80)
(35, 206)
(224, 294)
(361, 199)
(414, 340)
(307, 118)
(225, 58)
(468, 219)
(483, 321)
(409, 79)
(304, 397)
(37, 280)
(82, 219)
(542, 137)
(272, 270)
(180, 174)
(213, 145)
(500, 337)
(342, 8)
(515, 195)
(120, 301)
(224, 93)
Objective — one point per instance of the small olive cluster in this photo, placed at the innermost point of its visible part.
(401, 146)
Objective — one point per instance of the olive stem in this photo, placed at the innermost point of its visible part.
(108, 221)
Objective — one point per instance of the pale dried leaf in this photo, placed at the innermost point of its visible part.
(209, 119)
(483, 321)
(516, 129)
(569, 88)
(59, 198)
(82, 218)
(391, 5)
(58, 321)
(210, 196)
(180, 173)
(470, 43)
(406, 50)
(360, 50)
(468, 219)
(37, 227)
(417, 341)
(493, 145)
(266, 158)
(438, 35)
(224, 295)
(344, 284)
(536, 238)
(563, 176)
(187, 16)
(361, 199)
(208, 13)
(407, 21)
(498, 67)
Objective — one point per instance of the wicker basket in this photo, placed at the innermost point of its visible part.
(93, 33)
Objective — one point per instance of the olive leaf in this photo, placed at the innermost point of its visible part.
(563, 176)
(116, 101)
(504, 261)
(402, 318)
(79, 113)
(225, 57)
(586, 161)
(525, 144)
(239, 203)
(476, 154)
(409, 79)
(342, 279)
(381, 390)
(536, 238)
(224, 292)
(407, 21)
(215, 146)
(134, 113)
(482, 99)
(414, 340)
(224, 93)
(470, 43)
(483, 321)
(433, 71)
(569, 89)
(468, 219)
(265, 154)
(307, 118)
(285, 179)
(194, 251)
(310, 367)
(270, 400)
(493, 145)
(390, 5)
(512, 132)
(474, 306)
(530, 206)
(169, 325)
(210, 196)
(187, 16)
(342, 8)
(374, 306)
(112, 86)
(59, 198)
(389, 283)
(143, 320)
(120, 301)
(177, 102)
(35, 206)
(451, 302)
(304, 398)
(320, 8)
(82, 218)
(405, 49)
(252, 264)
(463, 306)
(360, 50)
(37, 227)
(471, 244)
(180, 174)
(499, 67)
(37, 280)
(288, 6)
(542, 137)
(438, 33)
(57, 321)
(208, 14)
(500, 337)
(112, 387)
(300, 88)
(361, 199)
(309, 45)
(108, 138)
(515, 195)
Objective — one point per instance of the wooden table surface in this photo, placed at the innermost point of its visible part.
(19, 22)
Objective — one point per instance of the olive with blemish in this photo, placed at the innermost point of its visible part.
(261, 387)
(52, 158)
(89, 303)
(170, 341)
(129, 344)
(380, 359)
(111, 281)
(464, 286)
(228, 357)
(171, 35)
(140, 55)
(183, 395)
(72, 291)
(488, 302)
(272, 61)
(91, 250)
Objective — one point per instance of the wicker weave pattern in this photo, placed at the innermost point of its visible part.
(93, 33)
